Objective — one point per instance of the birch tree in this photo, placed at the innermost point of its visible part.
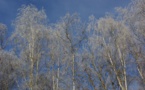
(29, 36)
(135, 18)
(95, 62)
(71, 34)
(114, 37)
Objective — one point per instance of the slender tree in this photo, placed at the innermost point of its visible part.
(29, 36)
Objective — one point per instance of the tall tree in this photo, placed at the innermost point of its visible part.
(115, 36)
(29, 36)
(134, 15)
(71, 33)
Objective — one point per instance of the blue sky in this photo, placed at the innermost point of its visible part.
(57, 8)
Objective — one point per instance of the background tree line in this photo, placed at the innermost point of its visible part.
(101, 54)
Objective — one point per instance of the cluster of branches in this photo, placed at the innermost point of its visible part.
(101, 54)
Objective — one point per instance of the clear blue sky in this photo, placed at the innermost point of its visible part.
(57, 8)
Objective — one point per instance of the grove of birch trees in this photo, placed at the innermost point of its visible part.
(106, 53)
